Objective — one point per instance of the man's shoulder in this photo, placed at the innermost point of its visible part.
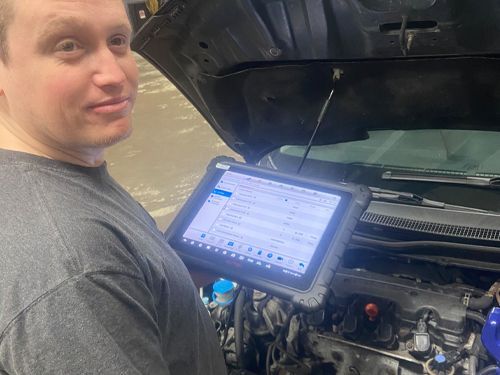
(78, 217)
(55, 226)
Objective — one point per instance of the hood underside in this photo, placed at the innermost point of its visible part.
(260, 71)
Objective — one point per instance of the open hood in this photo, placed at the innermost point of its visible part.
(260, 71)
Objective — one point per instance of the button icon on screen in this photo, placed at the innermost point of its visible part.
(230, 243)
(250, 249)
(233, 255)
(280, 259)
(259, 252)
(241, 257)
(224, 252)
(203, 235)
(270, 255)
(268, 266)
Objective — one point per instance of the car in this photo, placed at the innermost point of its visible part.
(140, 11)
(400, 96)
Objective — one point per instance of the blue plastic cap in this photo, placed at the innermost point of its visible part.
(223, 286)
(491, 333)
(440, 359)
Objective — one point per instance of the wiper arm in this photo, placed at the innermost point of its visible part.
(487, 182)
(411, 198)
(402, 196)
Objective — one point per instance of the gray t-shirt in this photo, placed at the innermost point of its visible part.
(87, 283)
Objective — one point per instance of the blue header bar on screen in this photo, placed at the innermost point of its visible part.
(222, 192)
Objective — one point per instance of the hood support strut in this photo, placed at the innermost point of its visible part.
(336, 76)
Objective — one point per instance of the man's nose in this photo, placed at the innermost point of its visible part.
(108, 70)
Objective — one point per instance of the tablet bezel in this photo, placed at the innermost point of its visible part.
(315, 280)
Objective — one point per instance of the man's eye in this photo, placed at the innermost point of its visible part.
(67, 46)
(119, 41)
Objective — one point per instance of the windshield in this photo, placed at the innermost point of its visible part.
(454, 153)
(464, 152)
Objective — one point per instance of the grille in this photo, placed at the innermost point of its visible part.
(430, 227)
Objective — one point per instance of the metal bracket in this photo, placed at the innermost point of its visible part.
(405, 38)
(337, 73)
(466, 299)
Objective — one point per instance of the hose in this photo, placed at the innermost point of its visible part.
(475, 316)
(277, 342)
(490, 370)
(473, 365)
(238, 328)
(480, 303)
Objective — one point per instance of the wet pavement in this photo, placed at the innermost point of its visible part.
(171, 145)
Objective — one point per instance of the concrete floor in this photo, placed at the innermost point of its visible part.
(171, 145)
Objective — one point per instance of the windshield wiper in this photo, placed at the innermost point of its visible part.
(411, 198)
(486, 182)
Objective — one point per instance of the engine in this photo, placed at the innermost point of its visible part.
(384, 315)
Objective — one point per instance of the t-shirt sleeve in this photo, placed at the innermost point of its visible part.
(96, 323)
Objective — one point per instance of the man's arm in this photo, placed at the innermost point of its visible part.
(96, 323)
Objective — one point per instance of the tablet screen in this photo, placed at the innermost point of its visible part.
(262, 222)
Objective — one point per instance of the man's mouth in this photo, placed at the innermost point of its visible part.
(113, 105)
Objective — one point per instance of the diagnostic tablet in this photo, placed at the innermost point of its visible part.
(279, 233)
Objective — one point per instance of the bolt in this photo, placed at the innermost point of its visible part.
(409, 345)
(411, 36)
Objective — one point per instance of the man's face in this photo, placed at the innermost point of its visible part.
(71, 80)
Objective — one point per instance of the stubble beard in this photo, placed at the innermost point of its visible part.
(113, 140)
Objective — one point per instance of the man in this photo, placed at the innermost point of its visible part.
(88, 285)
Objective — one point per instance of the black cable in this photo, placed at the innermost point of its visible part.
(490, 370)
(277, 340)
(270, 349)
(475, 316)
(402, 36)
(226, 314)
(238, 328)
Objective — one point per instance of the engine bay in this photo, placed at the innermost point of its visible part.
(385, 314)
